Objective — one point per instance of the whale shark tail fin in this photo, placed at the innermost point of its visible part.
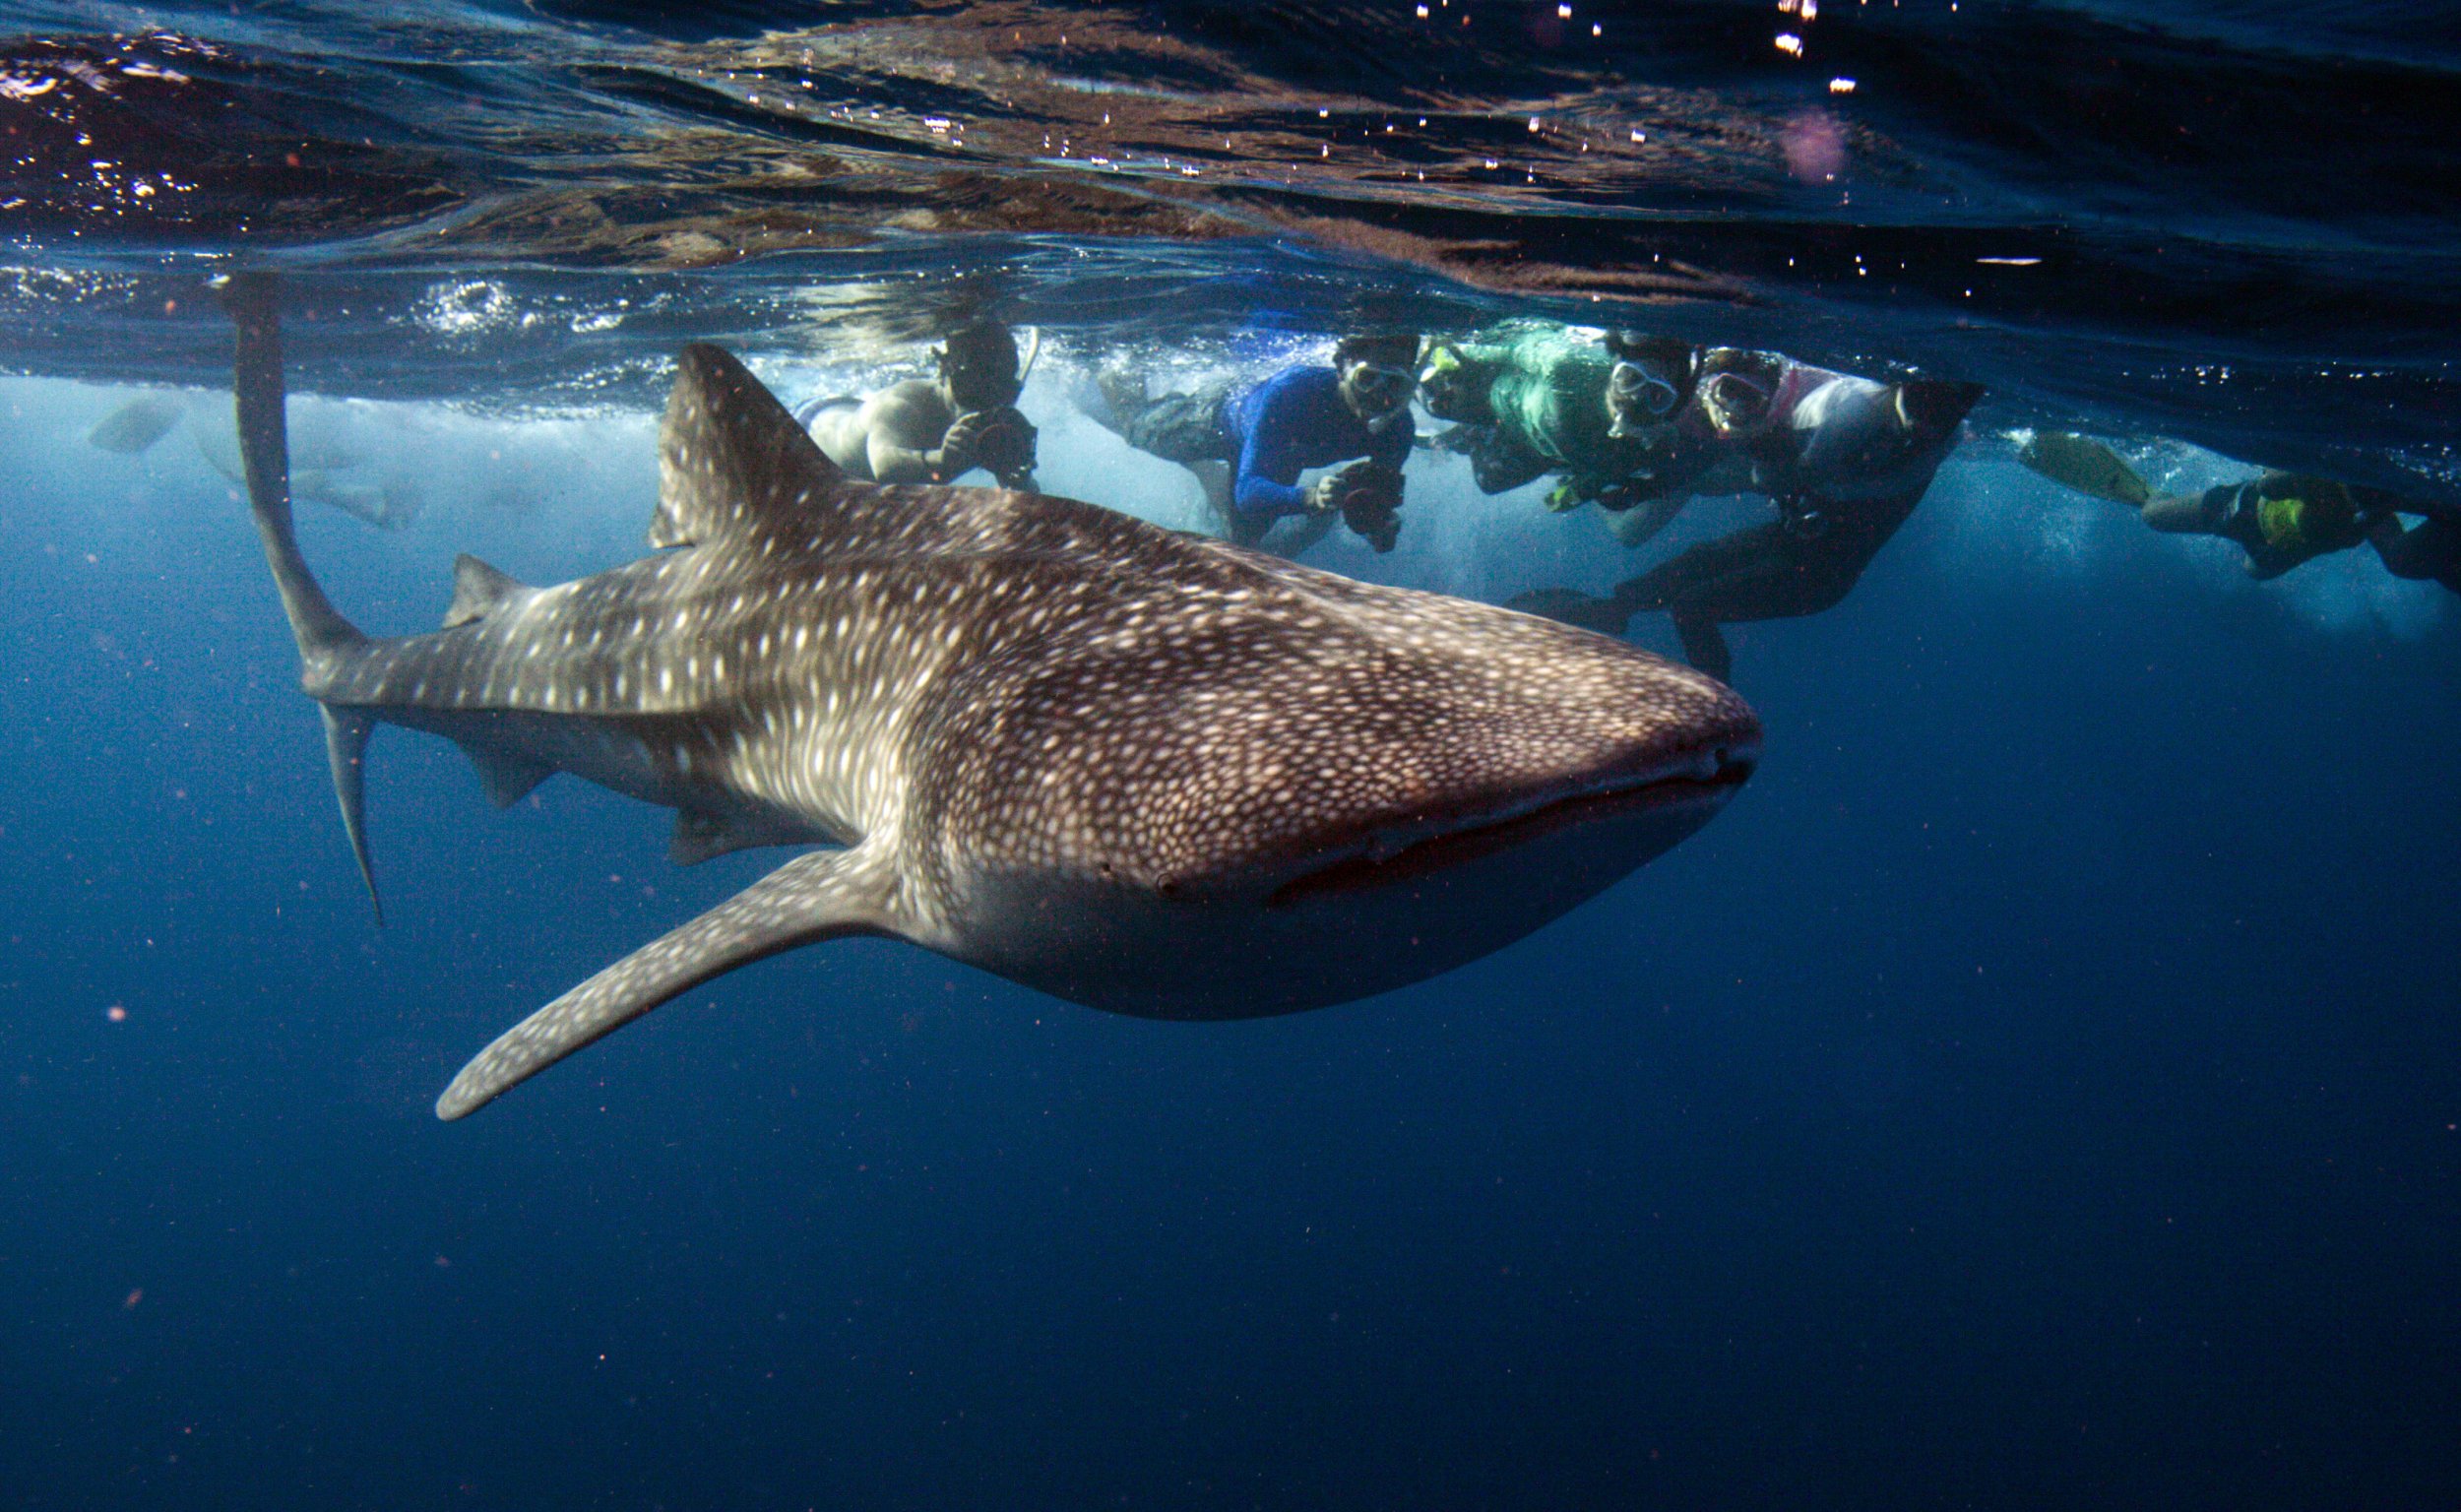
(821, 895)
(265, 458)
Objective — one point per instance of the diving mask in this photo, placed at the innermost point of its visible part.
(1632, 384)
(1734, 401)
(1383, 386)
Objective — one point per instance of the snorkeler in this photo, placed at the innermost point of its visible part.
(1530, 398)
(323, 470)
(1248, 446)
(1533, 396)
(936, 432)
(2280, 520)
(1847, 464)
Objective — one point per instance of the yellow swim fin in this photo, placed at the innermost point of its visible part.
(2088, 467)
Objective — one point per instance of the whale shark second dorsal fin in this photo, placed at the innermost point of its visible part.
(479, 590)
(730, 459)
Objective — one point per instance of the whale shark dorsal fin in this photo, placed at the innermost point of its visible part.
(818, 896)
(480, 591)
(730, 459)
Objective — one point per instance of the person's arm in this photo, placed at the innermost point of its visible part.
(1499, 465)
(1393, 442)
(1639, 525)
(1268, 477)
(1669, 469)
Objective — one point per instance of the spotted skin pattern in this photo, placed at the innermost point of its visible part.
(1046, 739)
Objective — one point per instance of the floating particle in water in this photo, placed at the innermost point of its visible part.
(1815, 146)
(116, 1014)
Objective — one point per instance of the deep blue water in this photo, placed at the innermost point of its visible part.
(2040, 1089)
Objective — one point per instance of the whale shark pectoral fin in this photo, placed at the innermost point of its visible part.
(815, 896)
(730, 458)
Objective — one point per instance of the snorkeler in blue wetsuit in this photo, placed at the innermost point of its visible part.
(1248, 446)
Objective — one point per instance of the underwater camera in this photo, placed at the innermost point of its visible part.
(1005, 444)
(1369, 496)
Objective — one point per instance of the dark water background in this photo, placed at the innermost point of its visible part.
(2040, 1088)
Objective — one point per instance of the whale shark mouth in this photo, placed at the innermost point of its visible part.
(1696, 788)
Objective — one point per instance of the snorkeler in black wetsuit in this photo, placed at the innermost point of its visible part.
(2280, 520)
(1847, 467)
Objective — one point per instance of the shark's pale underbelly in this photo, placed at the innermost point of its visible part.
(1235, 955)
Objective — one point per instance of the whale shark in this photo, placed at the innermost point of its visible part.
(1143, 771)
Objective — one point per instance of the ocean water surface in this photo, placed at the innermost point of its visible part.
(2039, 1089)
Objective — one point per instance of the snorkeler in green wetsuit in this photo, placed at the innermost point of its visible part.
(1532, 398)
(1616, 420)
(2280, 520)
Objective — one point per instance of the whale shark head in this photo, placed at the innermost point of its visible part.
(1257, 787)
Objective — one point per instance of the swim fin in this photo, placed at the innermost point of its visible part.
(2086, 466)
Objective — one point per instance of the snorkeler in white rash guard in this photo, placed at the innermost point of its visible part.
(936, 430)
(1845, 459)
